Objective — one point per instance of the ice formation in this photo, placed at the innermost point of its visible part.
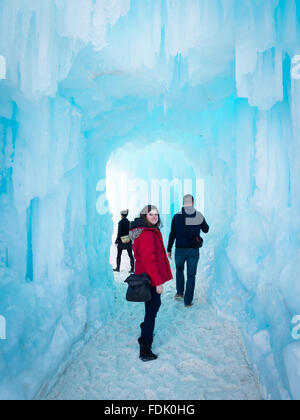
(218, 81)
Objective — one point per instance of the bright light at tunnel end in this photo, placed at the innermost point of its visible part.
(135, 193)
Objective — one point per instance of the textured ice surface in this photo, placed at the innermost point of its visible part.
(216, 80)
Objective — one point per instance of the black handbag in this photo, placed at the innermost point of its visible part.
(139, 289)
(196, 241)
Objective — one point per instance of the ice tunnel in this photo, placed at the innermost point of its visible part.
(183, 90)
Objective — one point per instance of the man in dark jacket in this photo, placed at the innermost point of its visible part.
(123, 230)
(186, 228)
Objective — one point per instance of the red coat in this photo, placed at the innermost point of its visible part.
(151, 257)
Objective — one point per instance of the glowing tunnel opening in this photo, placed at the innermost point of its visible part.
(159, 174)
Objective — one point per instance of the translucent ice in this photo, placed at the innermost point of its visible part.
(216, 82)
(2, 67)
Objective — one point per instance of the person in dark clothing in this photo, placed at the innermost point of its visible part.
(123, 241)
(186, 228)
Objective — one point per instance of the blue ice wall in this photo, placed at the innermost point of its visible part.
(218, 80)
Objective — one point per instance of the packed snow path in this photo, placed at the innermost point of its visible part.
(200, 356)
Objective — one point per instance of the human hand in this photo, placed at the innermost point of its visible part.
(170, 255)
(159, 289)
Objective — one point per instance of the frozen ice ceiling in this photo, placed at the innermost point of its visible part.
(80, 79)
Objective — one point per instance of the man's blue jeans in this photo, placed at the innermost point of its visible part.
(191, 256)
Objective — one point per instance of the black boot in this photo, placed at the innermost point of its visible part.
(117, 270)
(146, 354)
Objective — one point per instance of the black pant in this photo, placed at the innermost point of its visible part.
(128, 248)
(152, 308)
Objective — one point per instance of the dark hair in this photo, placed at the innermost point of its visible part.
(188, 198)
(146, 210)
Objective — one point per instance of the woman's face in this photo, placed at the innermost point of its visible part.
(152, 217)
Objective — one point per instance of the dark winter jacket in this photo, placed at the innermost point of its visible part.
(123, 229)
(149, 253)
(187, 222)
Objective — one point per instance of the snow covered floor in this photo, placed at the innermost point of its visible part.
(200, 356)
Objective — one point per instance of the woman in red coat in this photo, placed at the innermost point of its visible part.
(151, 258)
